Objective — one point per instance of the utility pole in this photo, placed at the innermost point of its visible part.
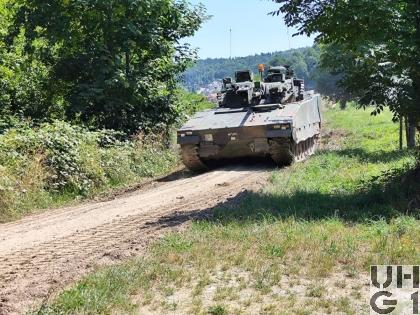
(288, 37)
(401, 132)
(230, 43)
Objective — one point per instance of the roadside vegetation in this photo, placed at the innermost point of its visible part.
(302, 245)
(57, 163)
(53, 164)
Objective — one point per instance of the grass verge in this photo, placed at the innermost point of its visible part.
(303, 245)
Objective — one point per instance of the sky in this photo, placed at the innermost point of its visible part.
(253, 31)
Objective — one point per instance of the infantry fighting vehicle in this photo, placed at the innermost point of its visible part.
(273, 118)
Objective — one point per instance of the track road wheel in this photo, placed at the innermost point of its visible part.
(191, 159)
(316, 141)
(281, 152)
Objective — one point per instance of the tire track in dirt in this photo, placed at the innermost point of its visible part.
(40, 255)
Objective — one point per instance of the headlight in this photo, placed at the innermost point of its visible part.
(282, 127)
(185, 134)
(233, 136)
(208, 138)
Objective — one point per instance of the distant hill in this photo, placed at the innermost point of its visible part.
(205, 71)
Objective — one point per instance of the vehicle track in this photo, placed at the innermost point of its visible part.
(40, 255)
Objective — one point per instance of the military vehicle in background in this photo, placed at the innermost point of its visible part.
(274, 117)
(280, 86)
(242, 92)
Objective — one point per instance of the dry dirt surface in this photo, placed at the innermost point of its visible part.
(41, 254)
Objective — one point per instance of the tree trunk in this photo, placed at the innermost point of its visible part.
(412, 126)
(415, 114)
(401, 132)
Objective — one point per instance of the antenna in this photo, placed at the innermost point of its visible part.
(288, 37)
(230, 43)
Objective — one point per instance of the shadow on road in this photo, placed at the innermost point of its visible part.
(231, 165)
(180, 174)
(372, 157)
(384, 197)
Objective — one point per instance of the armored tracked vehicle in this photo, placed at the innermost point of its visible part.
(274, 118)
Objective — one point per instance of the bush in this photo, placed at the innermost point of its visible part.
(47, 163)
(189, 103)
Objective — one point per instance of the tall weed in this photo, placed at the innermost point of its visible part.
(58, 161)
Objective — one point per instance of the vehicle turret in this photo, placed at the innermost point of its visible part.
(243, 92)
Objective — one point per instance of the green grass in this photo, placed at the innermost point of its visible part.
(317, 226)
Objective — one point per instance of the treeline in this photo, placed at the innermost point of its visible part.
(208, 70)
(305, 61)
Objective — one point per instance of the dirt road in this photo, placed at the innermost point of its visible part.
(43, 253)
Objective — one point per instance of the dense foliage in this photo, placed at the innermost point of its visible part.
(376, 44)
(190, 103)
(41, 166)
(107, 64)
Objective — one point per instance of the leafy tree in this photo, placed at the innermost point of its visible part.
(382, 40)
(114, 63)
(190, 103)
(24, 79)
(330, 73)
